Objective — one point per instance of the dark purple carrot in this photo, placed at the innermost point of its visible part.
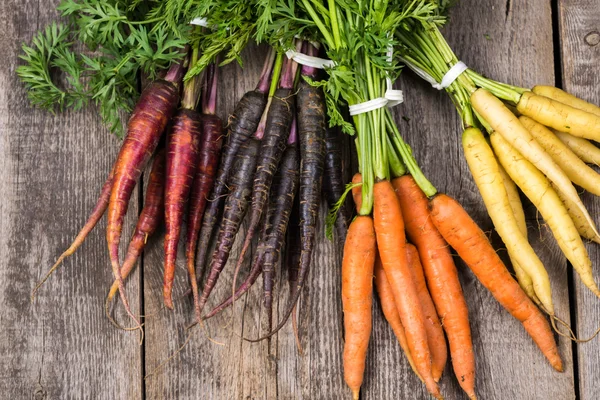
(273, 235)
(277, 129)
(234, 211)
(333, 179)
(280, 207)
(93, 219)
(241, 125)
(182, 162)
(208, 158)
(148, 120)
(311, 132)
(152, 214)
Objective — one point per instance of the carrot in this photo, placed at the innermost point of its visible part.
(277, 128)
(148, 120)
(391, 242)
(516, 206)
(150, 217)
(504, 122)
(280, 207)
(485, 171)
(311, 120)
(471, 244)
(537, 188)
(582, 147)
(442, 279)
(208, 158)
(566, 98)
(560, 116)
(581, 223)
(357, 289)
(293, 249)
(388, 306)
(435, 334)
(182, 160)
(97, 213)
(575, 169)
(241, 125)
(235, 209)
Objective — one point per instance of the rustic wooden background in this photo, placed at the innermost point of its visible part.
(62, 346)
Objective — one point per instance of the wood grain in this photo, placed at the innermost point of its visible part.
(580, 55)
(52, 167)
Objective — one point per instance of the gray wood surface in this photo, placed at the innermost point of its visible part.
(579, 28)
(62, 347)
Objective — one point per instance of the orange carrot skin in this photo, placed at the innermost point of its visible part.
(148, 120)
(391, 242)
(471, 244)
(435, 334)
(357, 289)
(182, 162)
(442, 278)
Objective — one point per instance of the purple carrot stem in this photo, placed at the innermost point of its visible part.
(209, 92)
(265, 76)
(312, 51)
(293, 138)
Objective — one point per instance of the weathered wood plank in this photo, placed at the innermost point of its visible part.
(52, 167)
(580, 50)
(507, 38)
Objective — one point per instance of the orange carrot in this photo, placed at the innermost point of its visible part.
(357, 288)
(442, 279)
(471, 244)
(391, 242)
(388, 306)
(435, 334)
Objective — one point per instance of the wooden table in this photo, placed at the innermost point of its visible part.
(62, 346)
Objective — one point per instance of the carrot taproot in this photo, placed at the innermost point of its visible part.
(505, 123)
(516, 206)
(581, 223)
(282, 196)
(293, 249)
(182, 160)
(560, 116)
(273, 144)
(435, 333)
(442, 279)
(584, 149)
(538, 189)
(486, 174)
(391, 243)
(241, 125)
(575, 169)
(471, 244)
(388, 306)
(90, 224)
(357, 291)
(208, 158)
(234, 211)
(149, 118)
(152, 214)
(561, 96)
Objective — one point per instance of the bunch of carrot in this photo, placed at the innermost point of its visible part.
(537, 140)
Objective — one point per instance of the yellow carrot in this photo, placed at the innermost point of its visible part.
(582, 147)
(566, 98)
(538, 189)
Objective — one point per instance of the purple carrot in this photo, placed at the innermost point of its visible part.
(311, 132)
(279, 120)
(182, 162)
(210, 146)
(234, 211)
(148, 120)
(292, 255)
(149, 219)
(241, 125)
